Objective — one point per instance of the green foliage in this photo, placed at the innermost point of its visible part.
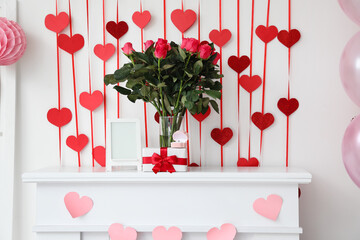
(173, 84)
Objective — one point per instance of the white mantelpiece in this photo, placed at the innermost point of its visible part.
(194, 201)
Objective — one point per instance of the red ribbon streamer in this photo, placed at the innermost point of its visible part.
(163, 162)
(199, 38)
(74, 83)
(251, 61)
(58, 79)
(104, 66)
(221, 99)
(238, 85)
(164, 6)
(287, 118)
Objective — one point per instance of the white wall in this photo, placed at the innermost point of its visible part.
(329, 206)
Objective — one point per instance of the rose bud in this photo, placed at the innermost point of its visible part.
(128, 48)
(148, 44)
(205, 51)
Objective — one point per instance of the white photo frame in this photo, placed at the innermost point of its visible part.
(123, 143)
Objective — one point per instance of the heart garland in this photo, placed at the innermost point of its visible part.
(91, 101)
(250, 84)
(141, 19)
(57, 23)
(77, 143)
(117, 30)
(262, 121)
(220, 38)
(288, 39)
(243, 162)
(288, 106)
(59, 118)
(71, 44)
(104, 52)
(221, 136)
(100, 155)
(239, 64)
(266, 34)
(183, 20)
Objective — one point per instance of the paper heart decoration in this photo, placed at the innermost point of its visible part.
(288, 106)
(160, 233)
(194, 165)
(91, 101)
(243, 162)
(141, 19)
(289, 38)
(58, 117)
(118, 232)
(117, 30)
(71, 44)
(183, 20)
(221, 136)
(100, 155)
(269, 208)
(220, 38)
(262, 121)
(77, 143)
(77, 206)
(227, 231)
(157, 117)
(239, 64)
(250, 84)
(266, 34)
(201, 117)
(104, 52)
(57, 23)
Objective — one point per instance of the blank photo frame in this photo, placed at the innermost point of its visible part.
(123, 140)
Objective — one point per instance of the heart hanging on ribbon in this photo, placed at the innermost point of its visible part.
(243, 162)
(157, 117)
(141, 19)
(239, 64)
(100, 155)
(221, 136)
(183, 20)
(289, 38)
(220, 38)
(118, 232)
(57, 23)
(104, 52)
(250, 84)
(262, 121)
(201, 117)
(227, 231)
(77, 206)
(194, 165)
(60, 117)
(77, 143)
(71, 44)
(269, 208)
(160, 233)
(117, 30)
(91, 101)
(266, 34)
(288, 106)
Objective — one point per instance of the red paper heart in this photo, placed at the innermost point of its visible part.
(141, 19)
(194, 165)
(100, 155)
(220, 38)
(117, 30)
(91, 101)
(70, 44)
(266, 34)
(58, 117)
(288, 107)
(289, 38)
(243, 162)
(157, 117)
(77, 143)
(221, 136)
(250, 84)
(262, 121)
(57, 23)
(239, 64)
(104, 52)
(183, 20)
(201, 117)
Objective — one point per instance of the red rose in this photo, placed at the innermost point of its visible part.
(216, 58)
(128, 48)
(161, 48)
(184, 43)
(190, 44)
(148, 44)
(205, 51)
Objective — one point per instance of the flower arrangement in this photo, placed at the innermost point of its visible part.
(173, 78)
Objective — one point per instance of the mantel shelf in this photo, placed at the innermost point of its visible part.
(204, 174)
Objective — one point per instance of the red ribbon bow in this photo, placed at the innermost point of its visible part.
(162, 162)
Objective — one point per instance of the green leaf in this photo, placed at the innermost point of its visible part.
(141, 57)
(182, 53)
(213, 93)
(145, 90)
(189, 105)
(214, 105)
(122, 90)
(198, 67)
(122, 73)
(133, 97)
(205, 102)
(167, 104)
(162, 84)
(168, 66)
(110, 79)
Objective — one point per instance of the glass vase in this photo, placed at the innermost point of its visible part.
(168, 126)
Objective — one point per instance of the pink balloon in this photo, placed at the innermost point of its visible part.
(350, 68)
(351, 9)
(351, 150)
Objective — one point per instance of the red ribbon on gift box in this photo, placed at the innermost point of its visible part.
(163, 162)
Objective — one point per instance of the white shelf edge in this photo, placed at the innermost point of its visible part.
(193, 229)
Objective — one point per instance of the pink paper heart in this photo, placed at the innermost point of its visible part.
(227, 231)
(117, 232)
(104, 52)
(77, 206)
(160, 233)
(269, 208)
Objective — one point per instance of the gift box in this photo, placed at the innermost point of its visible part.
(164, 160)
